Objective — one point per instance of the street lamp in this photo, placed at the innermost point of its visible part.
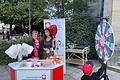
(29, 17)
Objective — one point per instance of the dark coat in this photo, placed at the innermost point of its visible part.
(96, 75)
(40, 51)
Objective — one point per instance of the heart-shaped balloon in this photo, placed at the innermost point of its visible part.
(53, 29)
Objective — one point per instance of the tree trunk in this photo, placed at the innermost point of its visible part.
(63, 9)
(10, 29)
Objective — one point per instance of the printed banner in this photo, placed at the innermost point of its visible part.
(57, 27)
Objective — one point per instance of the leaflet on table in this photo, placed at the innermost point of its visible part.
(40, 63)
(14, 50)
(36, 63)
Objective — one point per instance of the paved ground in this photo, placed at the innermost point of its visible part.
(4, 73)
(73, 72)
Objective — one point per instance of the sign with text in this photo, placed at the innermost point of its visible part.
(34, 75)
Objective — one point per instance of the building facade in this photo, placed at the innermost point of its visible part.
(116, 20)
(111, 8)
(95, 7)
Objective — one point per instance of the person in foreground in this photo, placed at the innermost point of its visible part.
(90, 75)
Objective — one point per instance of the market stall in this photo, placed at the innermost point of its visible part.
(36, 70)
(48, 66)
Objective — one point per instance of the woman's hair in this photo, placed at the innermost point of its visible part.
(35, 31)
(49, 32)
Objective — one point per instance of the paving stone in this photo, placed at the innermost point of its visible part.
(74, 72)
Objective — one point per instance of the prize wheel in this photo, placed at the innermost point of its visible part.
(104, 40)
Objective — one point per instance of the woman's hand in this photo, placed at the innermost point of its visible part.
(105, 62)
(102, 61)
(46, 49)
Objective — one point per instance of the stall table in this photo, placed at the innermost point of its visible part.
(54, 72)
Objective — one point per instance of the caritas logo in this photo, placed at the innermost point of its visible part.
(43, 77)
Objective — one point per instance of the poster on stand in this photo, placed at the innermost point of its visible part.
(57, 27)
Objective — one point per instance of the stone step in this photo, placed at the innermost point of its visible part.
(114, 68)
(118, 64)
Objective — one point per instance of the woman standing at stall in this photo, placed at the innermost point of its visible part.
(48, 43)
(36, 43)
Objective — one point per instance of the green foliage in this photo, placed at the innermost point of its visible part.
(10, 13)
(79, 6)
(4, 45)
(22, 39)
(4, 59)
(17, 12)
(81, 27)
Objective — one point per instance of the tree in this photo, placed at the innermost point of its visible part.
(82, 29)
(80, 26)
(9, 13)
(55, 8)
(16, 12)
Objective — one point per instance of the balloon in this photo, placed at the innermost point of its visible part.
(53, 29)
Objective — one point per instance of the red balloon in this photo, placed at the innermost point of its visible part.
(53, 29)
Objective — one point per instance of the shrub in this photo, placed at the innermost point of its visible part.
(4, 59)
(4, 45)
(22, 39)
